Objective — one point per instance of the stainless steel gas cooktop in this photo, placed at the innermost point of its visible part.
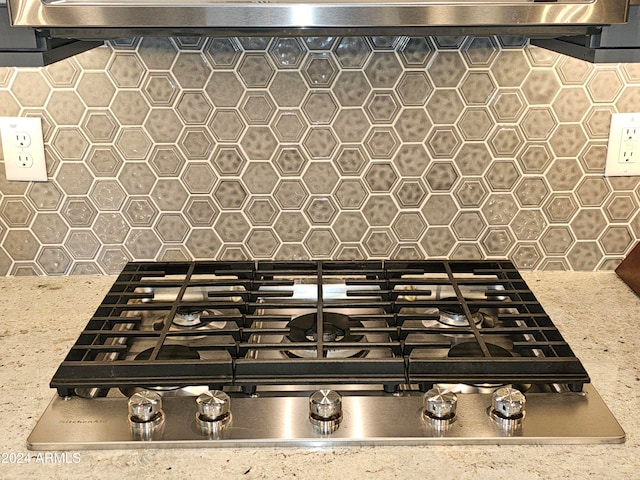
(214, 354)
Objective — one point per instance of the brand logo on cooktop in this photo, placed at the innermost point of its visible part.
(83, 421)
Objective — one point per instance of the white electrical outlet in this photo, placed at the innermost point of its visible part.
(23, 149)
(623, 152)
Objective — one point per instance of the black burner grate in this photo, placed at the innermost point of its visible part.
(234, 317)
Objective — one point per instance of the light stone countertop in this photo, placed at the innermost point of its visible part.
(40, 318)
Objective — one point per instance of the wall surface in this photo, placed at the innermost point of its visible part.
(353, 147)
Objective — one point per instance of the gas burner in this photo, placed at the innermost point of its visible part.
(471, 350)
(336, 327)
(188, 318)
(454, 315)
(167, 352)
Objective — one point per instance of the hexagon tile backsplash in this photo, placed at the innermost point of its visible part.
(343, 148)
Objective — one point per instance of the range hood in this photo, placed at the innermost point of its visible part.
(91, 19)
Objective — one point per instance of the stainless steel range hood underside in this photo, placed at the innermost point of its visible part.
(115, 18)
(584, 23)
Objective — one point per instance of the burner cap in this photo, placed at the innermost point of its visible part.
(187, 317)
(454, 316)
(336, 328)
(472, 349)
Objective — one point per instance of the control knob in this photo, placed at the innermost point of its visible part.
(214, 411)
(508, 406)
(145, 413)
(440, 404)
(325, 410)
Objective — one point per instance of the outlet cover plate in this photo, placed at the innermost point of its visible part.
(623, 151)
(15, 151)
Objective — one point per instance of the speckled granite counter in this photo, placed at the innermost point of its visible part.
(596, 313)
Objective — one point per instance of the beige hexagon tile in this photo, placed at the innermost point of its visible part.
(439, 209)
(584, 255)
(412, 124)
(224, 89)
(620, 207)
(447, 69)
(261, 211)
(157, 53)
(411, 160)
(532, 191)
(473, 158)
(379, 243)
(383, 69)
(352, 52)
(30, 88)
(499, 209)
(9, 106)
(477, 88)
(538, 123)
(443, 142)
(471, 192)
(593, 157)
(560, 208)
(379, 210)
(438, 242)
(200, 211)
(604, 85)
(191, 69)
(223, 52)
(322, 177)
(16, 212)
(444, 106)
(228, 161)
(598, 121)
(351, 125)
(415, 52)
(166, 160)
(571, 104)
(64, 73)
(616, 240)
(588, 224)
(508, 105)
(289, 126)
(110, 228)
(475, 124)
(535, 157)
(497, 241)
(203, 243)
(45, 195)
(78, 212)
(526, 255)
(163, 125)
(479, 51)
(414, 88)
(510, 68)
(136, 178)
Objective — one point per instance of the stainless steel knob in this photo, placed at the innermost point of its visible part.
(146, 419)
(145, 406)
(508, 403)
(213, 405)
(325, 404)
(440, 404)
(325, 410)
(214, 412)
